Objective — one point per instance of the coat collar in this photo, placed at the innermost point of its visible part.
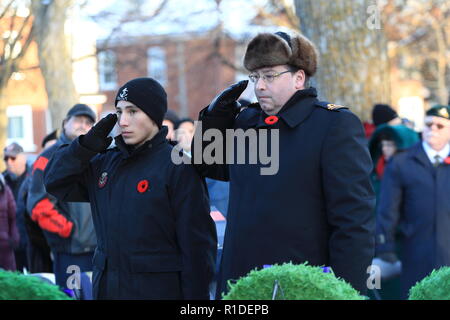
(63, 139)
(292, 112)
(418, 153)
(129, 151)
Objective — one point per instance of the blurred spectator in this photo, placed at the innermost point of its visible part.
(38, 251)
(16, 166)
(49, 139)
(16, 172)
(9, 235)
(369, 129)
(170, 120)
(414, 202)
(386, 142)
(383, 113)
(184, 133)
(68, 226)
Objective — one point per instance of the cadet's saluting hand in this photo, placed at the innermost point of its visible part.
(97, 138)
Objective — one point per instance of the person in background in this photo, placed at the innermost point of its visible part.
(386, 142)
(170, 121)
(384, 114)
(38, 251)
(67, 226)
(9, 235)
(16, 172)
(184, 133)
(414, 203)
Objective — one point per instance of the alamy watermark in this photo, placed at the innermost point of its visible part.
(74, 280)
(235, 147)
(374, 280)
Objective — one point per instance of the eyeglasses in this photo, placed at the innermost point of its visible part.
(7, 158)
(268, 78)
(438, 125)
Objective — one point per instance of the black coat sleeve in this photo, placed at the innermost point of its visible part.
(350, 199)
(217, 171)
(195, 230)
(65, 174)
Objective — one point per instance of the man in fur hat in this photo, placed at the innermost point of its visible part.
(318, 207)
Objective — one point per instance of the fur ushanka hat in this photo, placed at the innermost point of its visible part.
(268, 49)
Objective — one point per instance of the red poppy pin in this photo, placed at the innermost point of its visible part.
(270, 120)
(142, 186)
(447, 160)
(103, 179)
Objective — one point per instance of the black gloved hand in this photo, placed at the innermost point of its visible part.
(388, 257)
(226, 102)
(97, 138)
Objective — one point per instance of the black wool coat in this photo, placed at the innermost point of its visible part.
(156, 239)
(318, 207)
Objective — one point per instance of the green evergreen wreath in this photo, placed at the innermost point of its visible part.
(16, 286)
(291, 282)
(435, 286)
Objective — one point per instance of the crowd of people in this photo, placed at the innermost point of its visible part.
(344, 194)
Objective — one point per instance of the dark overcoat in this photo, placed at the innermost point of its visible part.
(318, 206)
(156, 239)
(414, 204)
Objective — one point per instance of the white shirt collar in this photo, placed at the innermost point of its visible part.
(431, 153)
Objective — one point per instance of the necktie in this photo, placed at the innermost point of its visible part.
(437, 161)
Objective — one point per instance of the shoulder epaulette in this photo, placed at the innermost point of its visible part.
(330, 106)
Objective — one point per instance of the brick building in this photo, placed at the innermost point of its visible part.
(188, 66)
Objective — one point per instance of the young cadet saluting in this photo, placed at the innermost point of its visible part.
(156, 239)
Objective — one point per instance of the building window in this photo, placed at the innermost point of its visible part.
(107, 70)
(156, 64)
(15, 128)
(20, 127)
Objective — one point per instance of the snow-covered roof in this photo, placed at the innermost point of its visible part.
(178, 17)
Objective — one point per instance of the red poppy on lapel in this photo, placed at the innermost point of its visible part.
(142, 186)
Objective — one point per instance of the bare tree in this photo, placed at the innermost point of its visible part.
(353, 68)
(54, 56)
(16, 33)
(419, 34)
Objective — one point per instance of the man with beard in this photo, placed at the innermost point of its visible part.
(414, 205)
(67, 226)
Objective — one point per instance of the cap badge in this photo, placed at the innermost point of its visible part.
(443, 113)
(124, 94)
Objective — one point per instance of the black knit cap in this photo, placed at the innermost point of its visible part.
(148, 95)
(383, 113)
(49, 137)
